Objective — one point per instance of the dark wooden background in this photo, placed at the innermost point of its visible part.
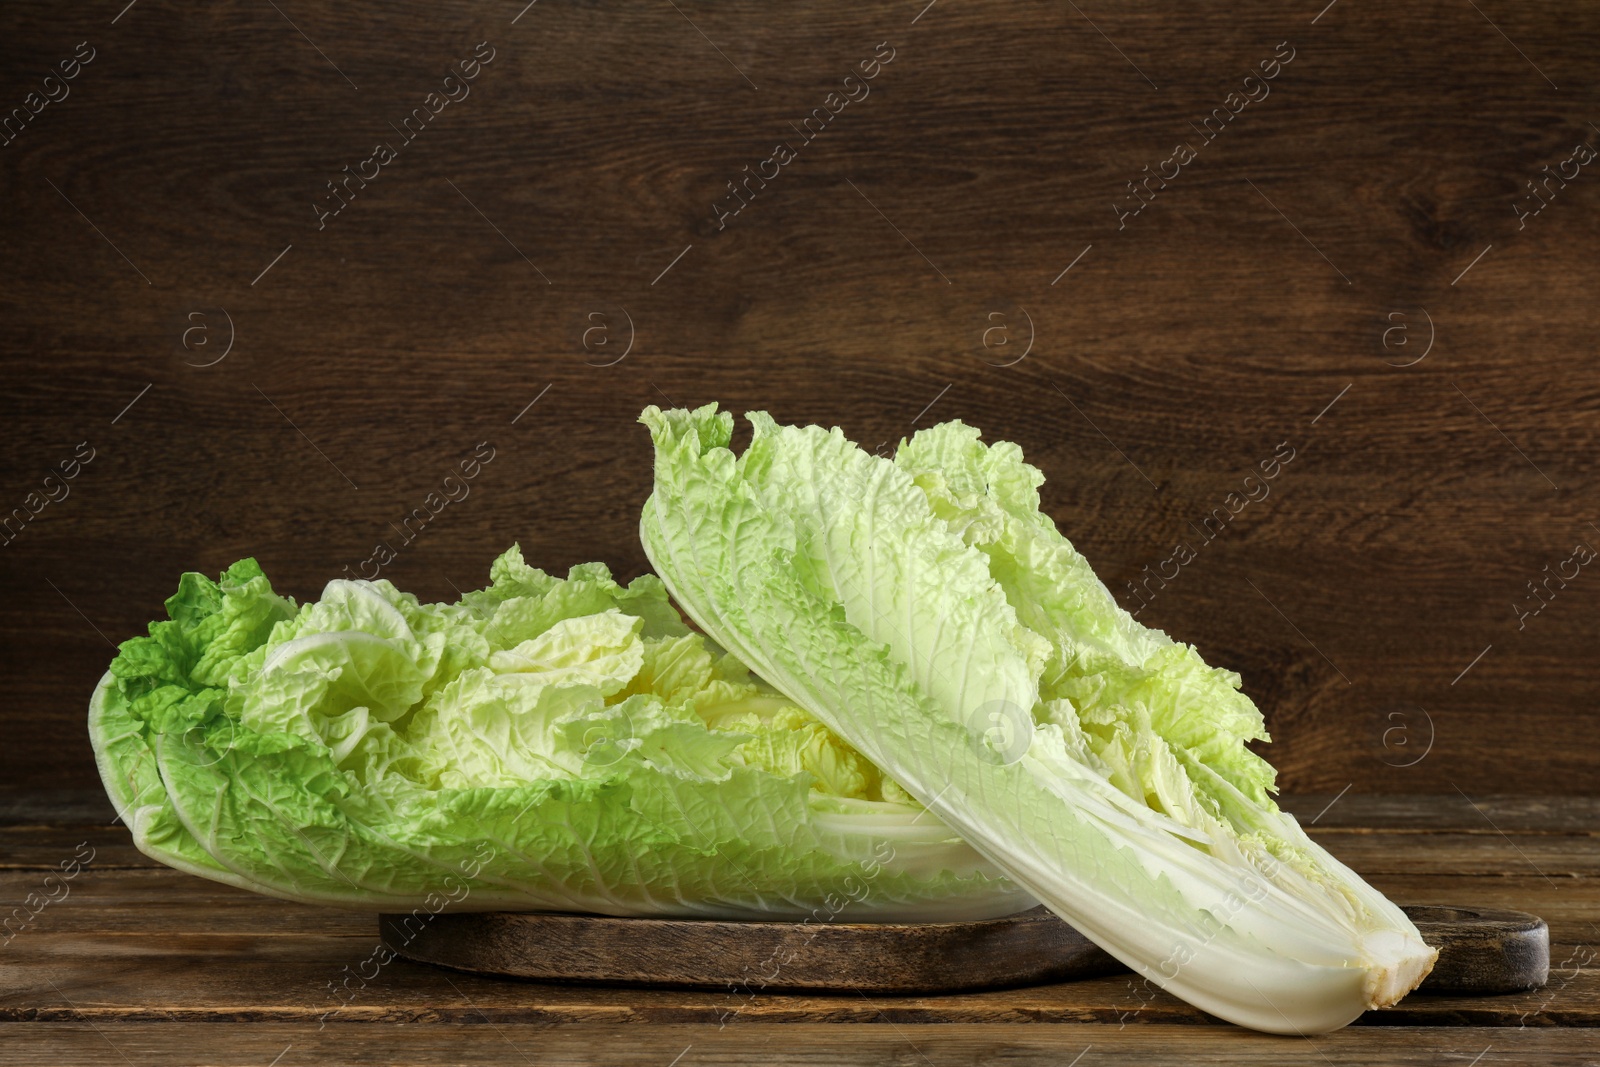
(855, 290)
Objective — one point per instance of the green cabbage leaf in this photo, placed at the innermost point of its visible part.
(542, 744)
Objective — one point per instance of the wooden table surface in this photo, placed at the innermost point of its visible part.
(1342, 274)
(1280, 293)
(139, 964)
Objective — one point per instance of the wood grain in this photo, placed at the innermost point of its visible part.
(290, 978)
(855, 290)
(149, 946)
(812, 1045)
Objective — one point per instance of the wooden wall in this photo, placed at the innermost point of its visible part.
(1279, 292)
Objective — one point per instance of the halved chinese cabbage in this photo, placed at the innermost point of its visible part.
(928, 612)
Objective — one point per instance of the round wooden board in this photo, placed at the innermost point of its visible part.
(1480, 951)
(1483, 950)
(1030, 948)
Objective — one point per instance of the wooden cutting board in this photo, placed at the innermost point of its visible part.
(1480, 951)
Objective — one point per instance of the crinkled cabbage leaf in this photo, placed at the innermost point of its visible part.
(543, 744)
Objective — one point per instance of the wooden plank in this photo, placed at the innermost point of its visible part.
(117, 1044)
(200, 977)
(1490, 813)
(157, 899)
(1196, 337)
(1556, 856)
(35, 847)
(154, 946)
(55, 807)
(1570, 905)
